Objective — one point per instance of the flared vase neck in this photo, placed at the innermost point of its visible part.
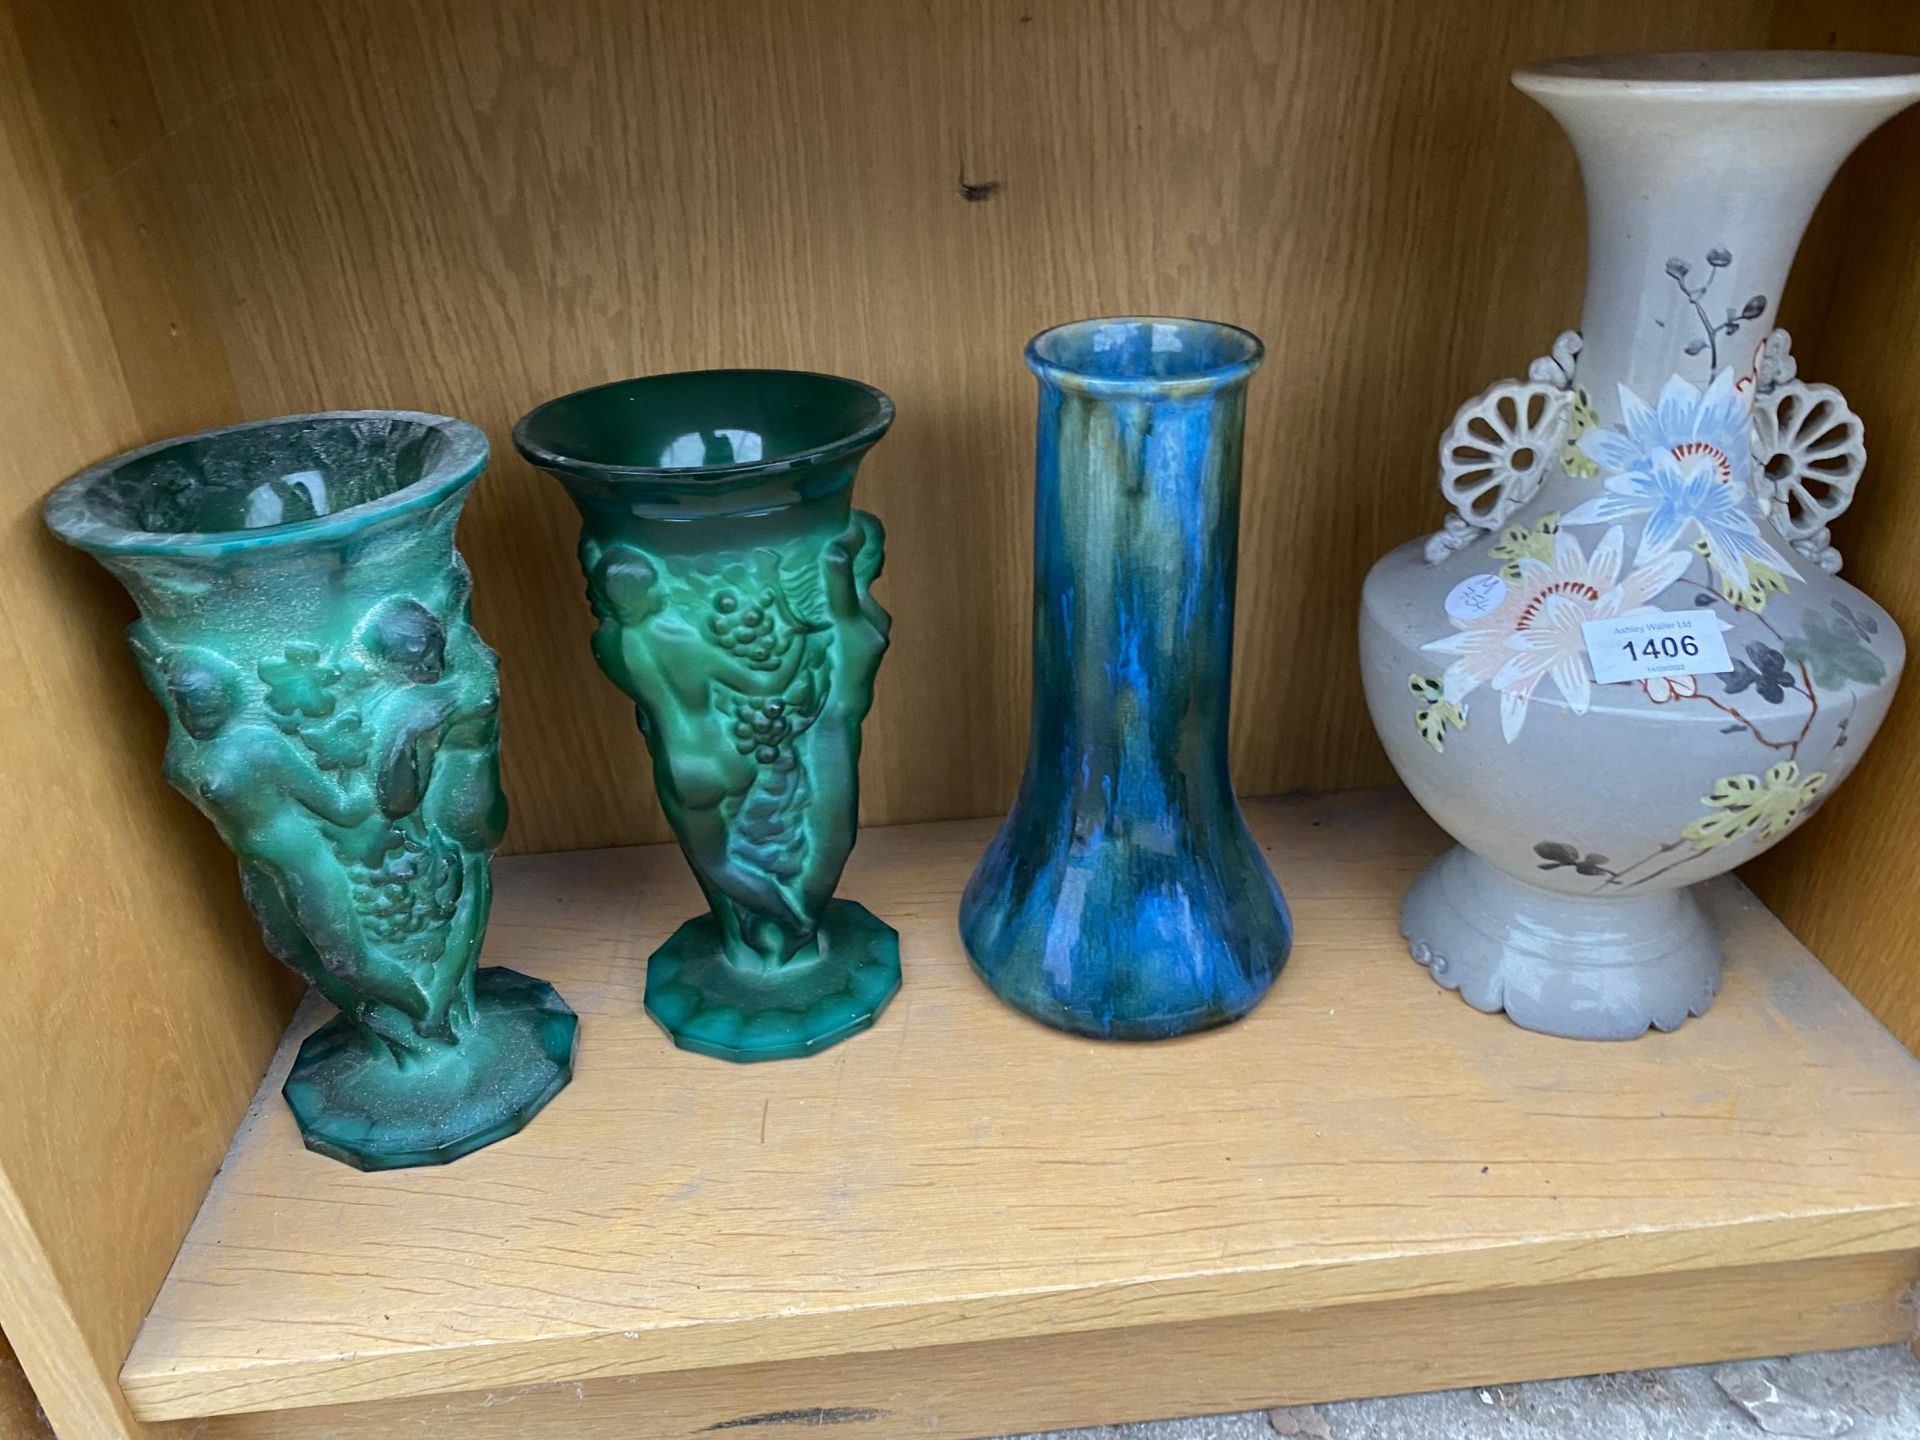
(1701, 173)
(253, 591)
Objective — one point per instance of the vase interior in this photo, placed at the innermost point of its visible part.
(266, 475)
(265, 480)
(704, 423)
(1142, 352)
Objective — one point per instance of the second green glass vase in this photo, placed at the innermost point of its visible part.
(731, 578)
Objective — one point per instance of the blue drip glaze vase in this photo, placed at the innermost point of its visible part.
(1123, 897)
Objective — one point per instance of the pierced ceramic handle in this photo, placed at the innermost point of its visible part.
(1809, 451)
(1496, 454)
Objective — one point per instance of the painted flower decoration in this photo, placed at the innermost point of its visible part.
(1762, 581)
(1683, 464)
(1516, 542)
(1863, 625)
(1764, 670)
(1684, 424)
(1835, 652)
(1573, 459)
(1663, 688)
(1558, 855)
(1746, 804)
(1436, 713)
(1535, 631)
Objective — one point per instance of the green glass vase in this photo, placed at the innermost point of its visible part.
(304, 623)
(732, 581)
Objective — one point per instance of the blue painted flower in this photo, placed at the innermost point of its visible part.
(1684, 424)
(1684, 465)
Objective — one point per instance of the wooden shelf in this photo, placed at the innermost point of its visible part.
(1364, 1186)
(212, 211)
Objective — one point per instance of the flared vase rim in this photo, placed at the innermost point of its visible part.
(71, 514)
(852, 442)
(1202, 378)
(1722, 75)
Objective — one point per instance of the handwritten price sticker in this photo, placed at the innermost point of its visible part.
(1475, 596)
(1665, 642)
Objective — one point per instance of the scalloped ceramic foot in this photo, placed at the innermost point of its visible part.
(715, 1008)
(1587, 969)
(360, 1108)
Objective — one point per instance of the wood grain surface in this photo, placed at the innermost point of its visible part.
(1846, 883)
(139, 1007)
(472, 205)
(212, 209)
(1156, 1371)
(960, 1174)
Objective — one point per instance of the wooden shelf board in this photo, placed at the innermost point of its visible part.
(961, 1175)
(1243, 1362)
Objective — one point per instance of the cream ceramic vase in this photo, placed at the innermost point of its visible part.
(1665, 473)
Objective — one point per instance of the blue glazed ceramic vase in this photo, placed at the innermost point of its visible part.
(1123, 897)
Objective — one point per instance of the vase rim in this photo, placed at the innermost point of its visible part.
(73, 514)
(875, 420)
(1728, 74)
(1238, 354)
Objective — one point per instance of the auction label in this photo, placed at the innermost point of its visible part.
(1658, 642)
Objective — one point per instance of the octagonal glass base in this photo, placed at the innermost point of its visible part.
(716, 1008)
(359, 1107)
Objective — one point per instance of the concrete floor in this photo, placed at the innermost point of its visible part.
(1861, 1394)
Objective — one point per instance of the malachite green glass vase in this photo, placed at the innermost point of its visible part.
(303, 622)
(1123, 897)
(732, 581)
